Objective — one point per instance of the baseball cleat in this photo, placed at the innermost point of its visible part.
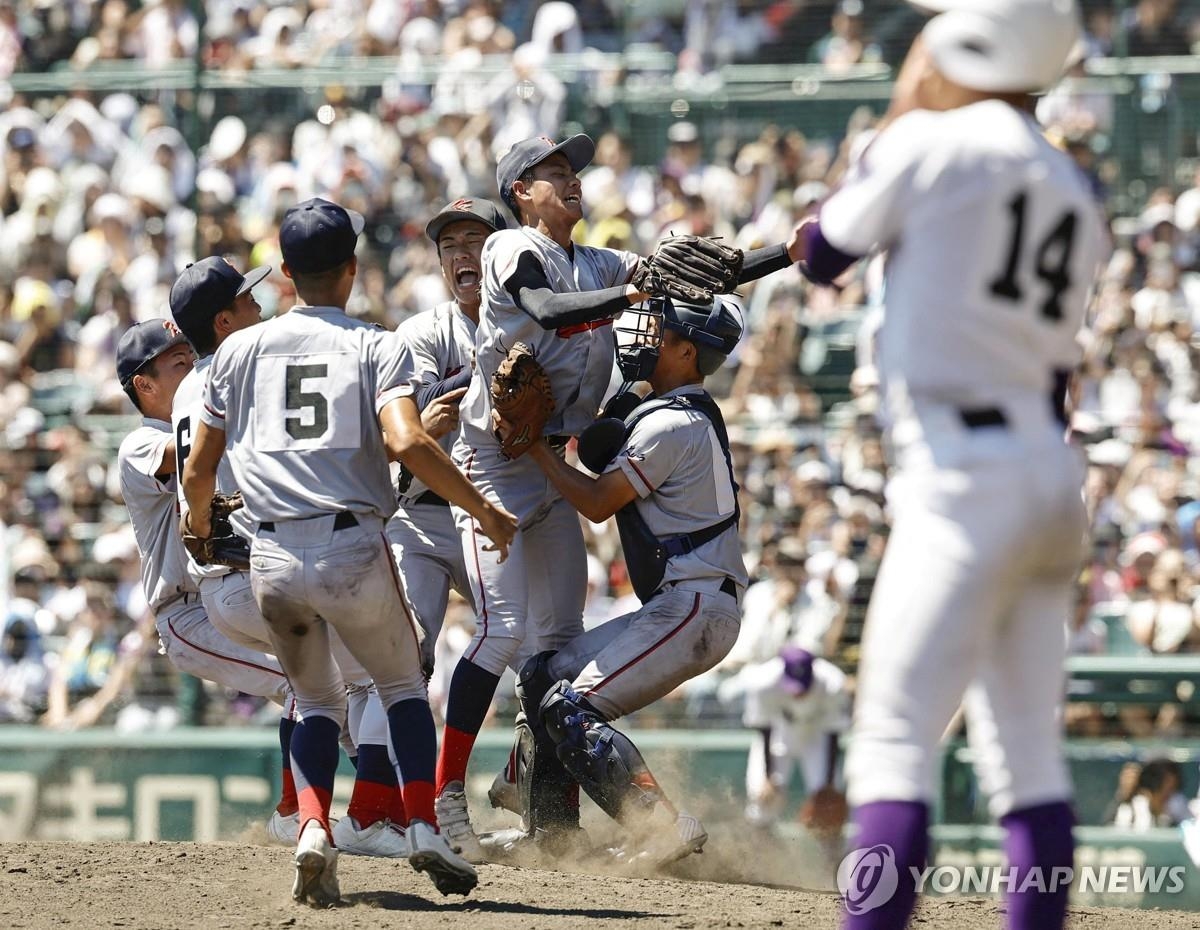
(430, 852)
(282, 829)
(503, 794)
(671, 842)
(316, 868)
(383, 839)
(455, 822)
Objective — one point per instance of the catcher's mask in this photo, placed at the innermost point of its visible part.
(715, 328)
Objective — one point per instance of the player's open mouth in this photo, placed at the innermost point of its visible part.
(572, 198)
(466, 277)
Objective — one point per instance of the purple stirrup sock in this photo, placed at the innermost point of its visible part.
(1039, 837)
(879, 893)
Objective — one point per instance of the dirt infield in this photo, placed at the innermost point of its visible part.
(179, 886)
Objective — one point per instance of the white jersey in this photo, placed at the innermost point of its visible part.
(154, 513)
(578, 359)
(993, 238)
(824, 708)
(298, 398)
(442, 342)
(185, 415)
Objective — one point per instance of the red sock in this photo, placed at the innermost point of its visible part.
(418, 801)
(314, 805)
(288, 802)
(452, 760)
(396, 811)
(369, 802)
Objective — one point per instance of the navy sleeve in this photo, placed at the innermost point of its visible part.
(431, 392)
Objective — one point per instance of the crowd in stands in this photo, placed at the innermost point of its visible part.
(103, 200)
(246, 34)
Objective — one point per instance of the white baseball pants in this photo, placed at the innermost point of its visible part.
(971, 598)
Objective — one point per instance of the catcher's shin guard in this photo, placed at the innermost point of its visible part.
(549, 796)
(604, 761)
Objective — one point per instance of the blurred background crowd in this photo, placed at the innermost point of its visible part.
(105, 195)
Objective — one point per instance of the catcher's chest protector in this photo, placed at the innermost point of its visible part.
(646, 554)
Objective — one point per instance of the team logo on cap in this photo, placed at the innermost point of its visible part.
(547, 140)
(462, 205)
(171, 328)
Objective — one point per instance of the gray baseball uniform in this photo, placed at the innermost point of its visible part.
(226, 594)
(424, 540)
(188, 637)
(298, 398)
(543, 580)
(675, 463)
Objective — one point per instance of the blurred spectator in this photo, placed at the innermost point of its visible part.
(1157, 801)
(1150, 28)
(24, 675)
(847, 42)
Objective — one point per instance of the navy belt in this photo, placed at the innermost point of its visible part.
(343, 521)
(981, 417)
(431, 499)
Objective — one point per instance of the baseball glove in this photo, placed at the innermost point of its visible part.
(522, 401)
(689, 268)
(825, 811)
(222, 546)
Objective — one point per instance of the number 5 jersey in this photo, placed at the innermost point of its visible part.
(298, 398)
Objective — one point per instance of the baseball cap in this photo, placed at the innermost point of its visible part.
(797, 670)
(579, 149)
(317, 235)
(207, 287)
(481, 211)
(1001, 46)
(144, 342)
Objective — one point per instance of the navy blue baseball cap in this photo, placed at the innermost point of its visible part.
(476, 210)
(207, 287)
(317, 235)
(142, 343)
(579, 149)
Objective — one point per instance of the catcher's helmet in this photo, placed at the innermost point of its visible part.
(715, 328)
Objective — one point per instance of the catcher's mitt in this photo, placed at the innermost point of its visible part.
(689, 268)
(222, 546)
(522, 401)
(825, 811)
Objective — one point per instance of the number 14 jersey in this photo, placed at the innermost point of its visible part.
(298, 398)
(993, 238)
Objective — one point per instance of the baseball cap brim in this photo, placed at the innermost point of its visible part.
(253, 277)
(579, 149)
(434, 227)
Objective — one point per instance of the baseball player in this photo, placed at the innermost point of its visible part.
(153, 358)
(798, 705)
(667, 476)
(442, 340)
(559, 299)
(993, 242)
(311, 405)
(210, 300)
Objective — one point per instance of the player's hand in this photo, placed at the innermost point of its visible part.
(500, 527)
(796, 245)
(191, 525)
(906, 92)
(441, 416)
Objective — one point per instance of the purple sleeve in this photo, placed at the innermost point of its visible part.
(824, 262)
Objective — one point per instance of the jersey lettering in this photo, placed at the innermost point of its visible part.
(183, 443)
(1052, 260)
(307, 402)
(565, 332)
